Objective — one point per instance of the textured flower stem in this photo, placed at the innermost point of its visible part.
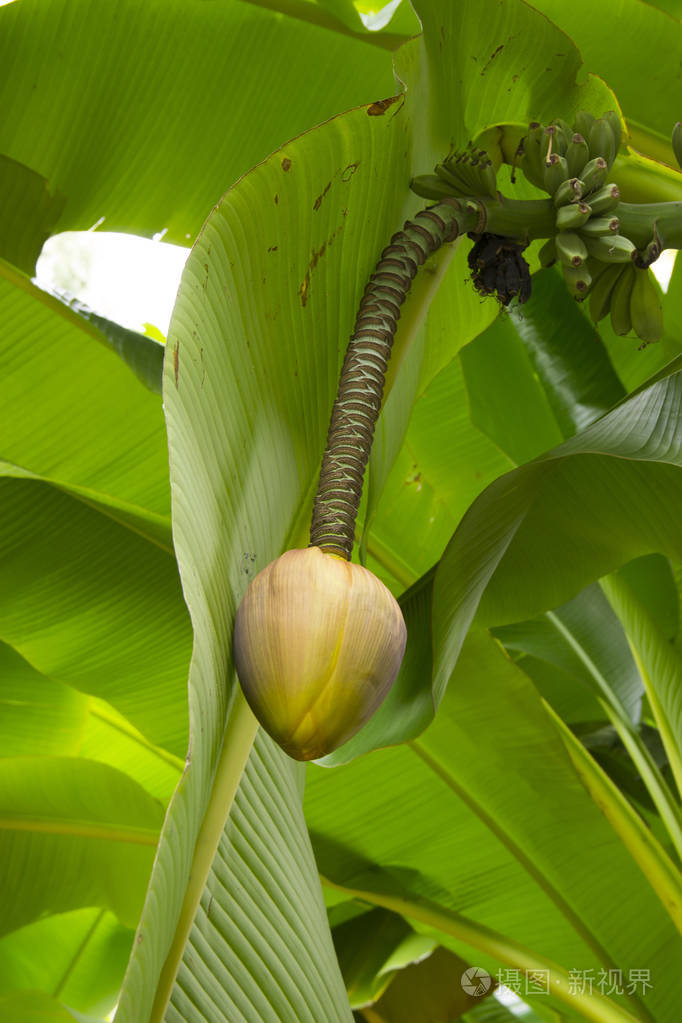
(361, 386)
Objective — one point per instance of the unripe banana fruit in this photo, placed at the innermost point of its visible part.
(318, 643)
(645, 307)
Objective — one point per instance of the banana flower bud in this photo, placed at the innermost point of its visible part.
(318, 643)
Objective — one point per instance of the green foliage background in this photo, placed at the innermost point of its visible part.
(515, 802)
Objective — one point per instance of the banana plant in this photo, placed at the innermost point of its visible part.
(460, 600)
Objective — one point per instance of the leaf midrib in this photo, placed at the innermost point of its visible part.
(526, 862)
(74, 827)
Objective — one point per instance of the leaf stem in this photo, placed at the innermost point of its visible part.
(660, 792)
(594, 1007)
(647, 852)
(658, 663)
(238, 739)
(359, 396)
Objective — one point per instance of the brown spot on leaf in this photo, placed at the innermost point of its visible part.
(318, 254)
(381, 106)
(286, 163)
(318, 201)
(273, 248)
(348, 172)
(315, 257)
(491, 58)
(176, 362)
(276, 199)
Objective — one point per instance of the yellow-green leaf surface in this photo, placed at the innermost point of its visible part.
(143, 114)
(37, 715)
(90, 594)
(90, 600)
(37, 1007)
(90, 603)
(48, 409)
(27, 215)
(632, 43)
(74, 833)
(489, 64)
(591, 496)
(88, 951)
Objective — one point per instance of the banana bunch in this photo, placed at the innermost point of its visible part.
(572, 165)
(467, 172)
(555, 153)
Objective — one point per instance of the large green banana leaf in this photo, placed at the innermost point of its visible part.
(631, 43)
(88, 950)
(483, 817)
(144, 114)
(93, 609)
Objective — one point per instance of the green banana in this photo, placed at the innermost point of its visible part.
(615, 248)
(449, 171)
(571, 249)
(602, 142)
(598, 226)
(534, 150)
(583, 123)
(572, 216)
(605, 199)
(577, 154)
(621, 317)
(560, 133)
(578, 280)
(554, 173)
(645, 307)
(445, 174)
(430, 186)
(596, 268)
(547, 254)
(593, 174)
(475, 171)
(600, 292)
(568, 191)
(616, 126)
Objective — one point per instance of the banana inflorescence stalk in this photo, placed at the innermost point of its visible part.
(359, 396)
(318, 641)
